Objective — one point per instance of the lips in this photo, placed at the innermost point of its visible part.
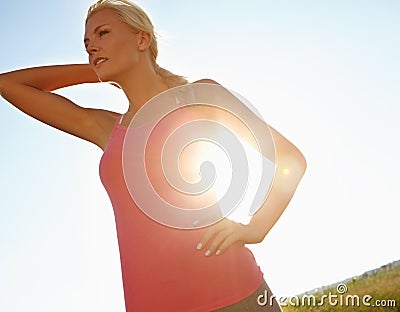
(98, 60)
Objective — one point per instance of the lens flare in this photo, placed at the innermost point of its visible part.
(184, 160)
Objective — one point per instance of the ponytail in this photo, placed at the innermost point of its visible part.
(172, 80)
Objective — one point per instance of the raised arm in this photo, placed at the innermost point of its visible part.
(29, 91)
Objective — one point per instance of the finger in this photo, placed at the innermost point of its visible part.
(212, 231)
(235, 236)
(218, 240)
(228, 242)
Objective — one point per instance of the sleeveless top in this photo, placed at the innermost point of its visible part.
(161, 268)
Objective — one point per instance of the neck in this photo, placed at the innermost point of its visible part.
(140, 86)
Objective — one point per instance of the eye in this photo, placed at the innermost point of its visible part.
(103, 32)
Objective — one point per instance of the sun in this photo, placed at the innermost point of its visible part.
(206, 160)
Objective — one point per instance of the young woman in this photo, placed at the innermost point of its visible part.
(202, 269)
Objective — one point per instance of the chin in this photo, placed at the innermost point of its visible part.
(110, 76)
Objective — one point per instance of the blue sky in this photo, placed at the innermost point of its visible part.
(323, 73)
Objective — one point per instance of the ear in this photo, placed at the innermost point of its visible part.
(144, 40)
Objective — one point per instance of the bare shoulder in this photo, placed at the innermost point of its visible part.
(206, 80)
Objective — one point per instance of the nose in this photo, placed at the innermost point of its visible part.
(92, 48)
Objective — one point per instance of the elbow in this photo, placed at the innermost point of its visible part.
(292, 164)
(299, 165)
(5, 84)
(288, 174)
(302, 163)
(20, 77)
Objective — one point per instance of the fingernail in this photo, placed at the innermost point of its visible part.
(195, 222)
(199, 246)
(218, 252)
(207, 253)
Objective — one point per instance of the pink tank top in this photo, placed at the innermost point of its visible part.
(161, 268)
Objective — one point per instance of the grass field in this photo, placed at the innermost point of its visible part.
(374, 291)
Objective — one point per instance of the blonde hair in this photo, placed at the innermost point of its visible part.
(138, 20)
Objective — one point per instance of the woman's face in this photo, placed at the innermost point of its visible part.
(112, 46)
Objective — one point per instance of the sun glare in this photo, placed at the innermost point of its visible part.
(286, 171)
